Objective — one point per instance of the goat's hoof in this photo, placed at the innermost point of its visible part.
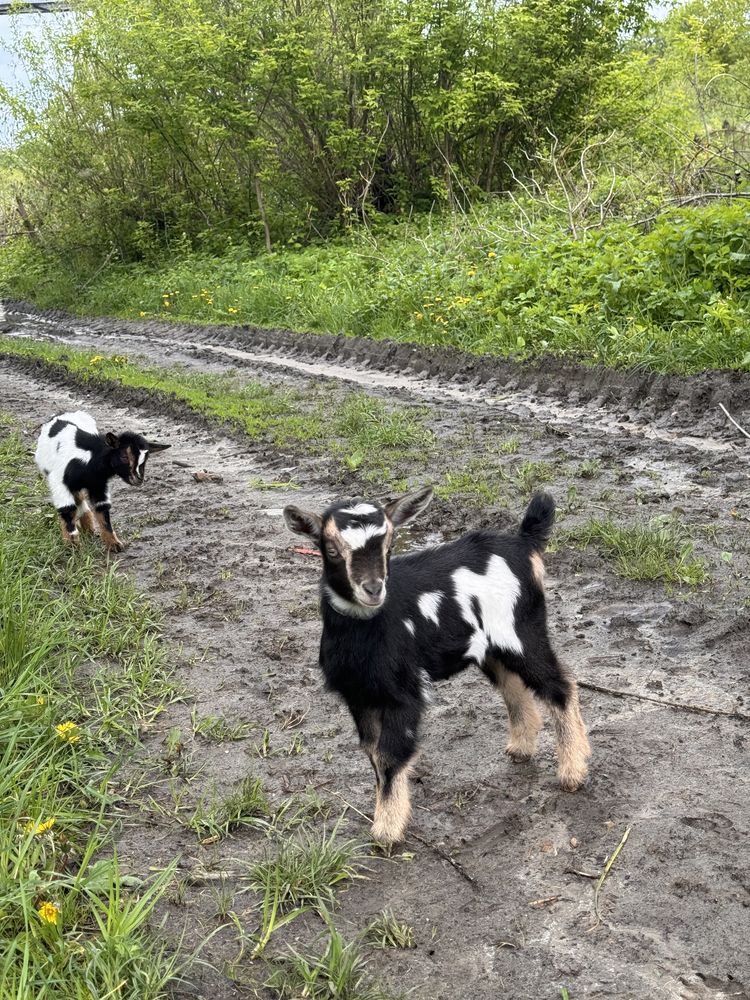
(115, 546)
(73, 539)
(385, 836)
(572, 778)
(519, 755)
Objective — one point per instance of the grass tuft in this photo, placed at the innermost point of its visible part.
(659, 550)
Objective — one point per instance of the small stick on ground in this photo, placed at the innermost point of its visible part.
(729, 416)
(679, 705)
(605, 871)
(574, 871)
(447, 857)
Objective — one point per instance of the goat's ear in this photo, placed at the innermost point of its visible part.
(112, 440)
(153, 446)
(303, 522)
(404, 509)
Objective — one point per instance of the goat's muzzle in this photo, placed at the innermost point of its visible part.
(372, 593)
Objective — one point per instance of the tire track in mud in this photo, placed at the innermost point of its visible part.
(683, 409)
(240, 604)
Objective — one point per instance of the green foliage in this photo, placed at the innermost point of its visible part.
(674, 298)
(386, 931)
(189, 122)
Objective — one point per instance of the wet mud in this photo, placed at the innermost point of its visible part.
(514, 915)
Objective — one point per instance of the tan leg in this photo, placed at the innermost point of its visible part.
(573, 749)
(69, 537)
(107, 535)
(87, 522)
(392, 807)
(523, 714)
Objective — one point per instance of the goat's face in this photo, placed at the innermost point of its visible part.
(130, 454)
(355, 539)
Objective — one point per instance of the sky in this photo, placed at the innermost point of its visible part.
(12, 74)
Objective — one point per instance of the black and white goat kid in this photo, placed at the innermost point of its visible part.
(393, 626)
(78, 463)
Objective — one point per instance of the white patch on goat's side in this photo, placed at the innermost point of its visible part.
(81, 419)
(496, 592)
(361, 508)
(55, 453)
(409, 625)
(141, 459)
(357, 537)
(429, 605)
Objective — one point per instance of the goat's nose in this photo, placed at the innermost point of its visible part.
(374, 588)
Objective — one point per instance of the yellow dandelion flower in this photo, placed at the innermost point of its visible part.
(39, 828)
(470, 274)
(49, 912)
(68, 731)
(492, 254)
(97, 358)
(418, 315)
(40, 700)
(141, 314)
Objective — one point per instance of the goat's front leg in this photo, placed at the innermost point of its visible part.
(392, 759)
(68, 524)
(106, 532)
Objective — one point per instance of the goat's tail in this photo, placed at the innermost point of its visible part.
(537, 521)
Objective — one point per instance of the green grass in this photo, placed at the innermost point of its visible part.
(339, 970)
(307, 869)
(71, 924)
(215, 816)
(658, 550)
(362, 432)
(669, 298)
(386, 931)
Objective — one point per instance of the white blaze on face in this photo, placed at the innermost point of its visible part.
(361, 508)
(429, 605)
(496, 591)
(141, 459)
(357, 536)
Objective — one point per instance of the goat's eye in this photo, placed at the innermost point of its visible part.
(332, 552)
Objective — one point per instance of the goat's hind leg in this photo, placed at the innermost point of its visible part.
(559, 693)
(573, 747)
(523, 714)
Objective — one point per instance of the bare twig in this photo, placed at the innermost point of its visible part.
(605, 871)
(679, 705)
(447, 857)
(729, 416)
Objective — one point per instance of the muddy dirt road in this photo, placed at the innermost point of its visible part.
(513, 917)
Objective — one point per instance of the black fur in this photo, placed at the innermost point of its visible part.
(105, 463)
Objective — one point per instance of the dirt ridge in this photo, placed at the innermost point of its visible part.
(685, 401)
